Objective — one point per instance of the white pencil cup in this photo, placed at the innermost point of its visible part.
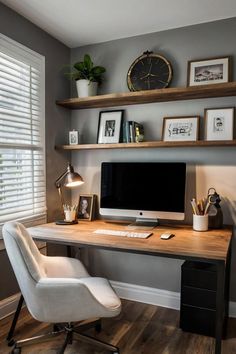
(69, 215)
(200, 222)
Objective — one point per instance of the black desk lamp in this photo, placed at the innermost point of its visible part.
(71, 179)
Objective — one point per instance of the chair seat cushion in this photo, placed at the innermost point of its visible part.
(63, 267)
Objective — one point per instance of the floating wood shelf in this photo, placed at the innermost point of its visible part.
(149, 144)
(160, 95)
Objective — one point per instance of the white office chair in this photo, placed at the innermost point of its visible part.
(57, 289)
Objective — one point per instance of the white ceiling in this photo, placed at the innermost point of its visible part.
(80, 22)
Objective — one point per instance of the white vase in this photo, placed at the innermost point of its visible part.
(86, 88)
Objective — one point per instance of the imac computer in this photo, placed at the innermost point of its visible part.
(146, 191)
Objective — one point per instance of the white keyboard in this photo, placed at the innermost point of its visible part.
(123, 233)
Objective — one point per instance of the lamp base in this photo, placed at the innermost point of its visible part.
(63, 222)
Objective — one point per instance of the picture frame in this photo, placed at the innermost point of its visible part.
(209, 71)
(183, 128)
(110, 127)
(86, 207)
(73, 137)
(219, 123)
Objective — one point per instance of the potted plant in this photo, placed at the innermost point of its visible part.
(87, 76)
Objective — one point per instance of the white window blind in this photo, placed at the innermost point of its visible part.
(22, 144)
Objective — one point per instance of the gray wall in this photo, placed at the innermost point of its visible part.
(56, 55)
(207, 167)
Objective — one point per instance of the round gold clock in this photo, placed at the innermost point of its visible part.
(148, 72)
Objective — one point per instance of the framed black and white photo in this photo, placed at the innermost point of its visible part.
(219, 123)
(180, 128)
(109, 127)
(86, 207)
(73, 137)
(209, 71)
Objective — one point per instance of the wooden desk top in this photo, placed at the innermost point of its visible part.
(187, 244)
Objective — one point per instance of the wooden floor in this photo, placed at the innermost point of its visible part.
(140, 329)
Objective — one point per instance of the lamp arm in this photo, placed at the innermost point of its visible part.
(61, 196)
(58, 186)
(57, 183)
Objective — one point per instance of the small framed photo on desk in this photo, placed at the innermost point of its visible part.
(86, 207)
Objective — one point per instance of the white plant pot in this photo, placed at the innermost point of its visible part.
(86, 88)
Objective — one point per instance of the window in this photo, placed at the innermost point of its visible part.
(22, 144)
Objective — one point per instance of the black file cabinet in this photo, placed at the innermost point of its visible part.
(198, 298)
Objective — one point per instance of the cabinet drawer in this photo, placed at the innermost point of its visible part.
(197, 320)
(198, 297)
(199, 275)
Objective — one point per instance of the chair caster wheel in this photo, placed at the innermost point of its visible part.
(16, 351)
(56, 328)
(11, 342)
(98, 328)
(116, 351)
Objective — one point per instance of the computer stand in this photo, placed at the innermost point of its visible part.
(141, 223)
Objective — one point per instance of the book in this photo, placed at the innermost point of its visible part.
(133, 132)
(139, 132)
(126, 132)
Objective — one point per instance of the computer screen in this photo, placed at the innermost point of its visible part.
(143, 190)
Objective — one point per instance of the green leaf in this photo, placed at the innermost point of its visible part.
(98, 70)
(79, 66)
(88, 62)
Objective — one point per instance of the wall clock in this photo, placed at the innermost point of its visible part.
(148, 72)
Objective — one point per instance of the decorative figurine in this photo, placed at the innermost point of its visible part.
(215, 211)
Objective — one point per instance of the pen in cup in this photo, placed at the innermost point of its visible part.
(201, 206)
(200, 214)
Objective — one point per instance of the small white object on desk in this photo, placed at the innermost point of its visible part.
(70, 212)
(200, 222)
(122, 233)
(166, 236)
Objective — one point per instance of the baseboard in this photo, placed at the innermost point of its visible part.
(147, 295)
(158, 297)
(9, 305)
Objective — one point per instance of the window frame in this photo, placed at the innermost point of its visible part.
(32, 58)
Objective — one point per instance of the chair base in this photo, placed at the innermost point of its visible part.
(72, 333)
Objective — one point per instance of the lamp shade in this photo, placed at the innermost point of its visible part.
(73, 179)
(70, 177)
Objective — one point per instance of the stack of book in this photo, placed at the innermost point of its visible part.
(133, 132)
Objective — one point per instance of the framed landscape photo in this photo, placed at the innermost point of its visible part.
(110, 127)
(86, 207)
(180, 128)
(219, 123)
(209, 71)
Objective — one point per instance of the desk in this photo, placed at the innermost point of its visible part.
(212, 246)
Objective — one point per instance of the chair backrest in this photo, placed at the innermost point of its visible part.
(15, 236)
(24, 256)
